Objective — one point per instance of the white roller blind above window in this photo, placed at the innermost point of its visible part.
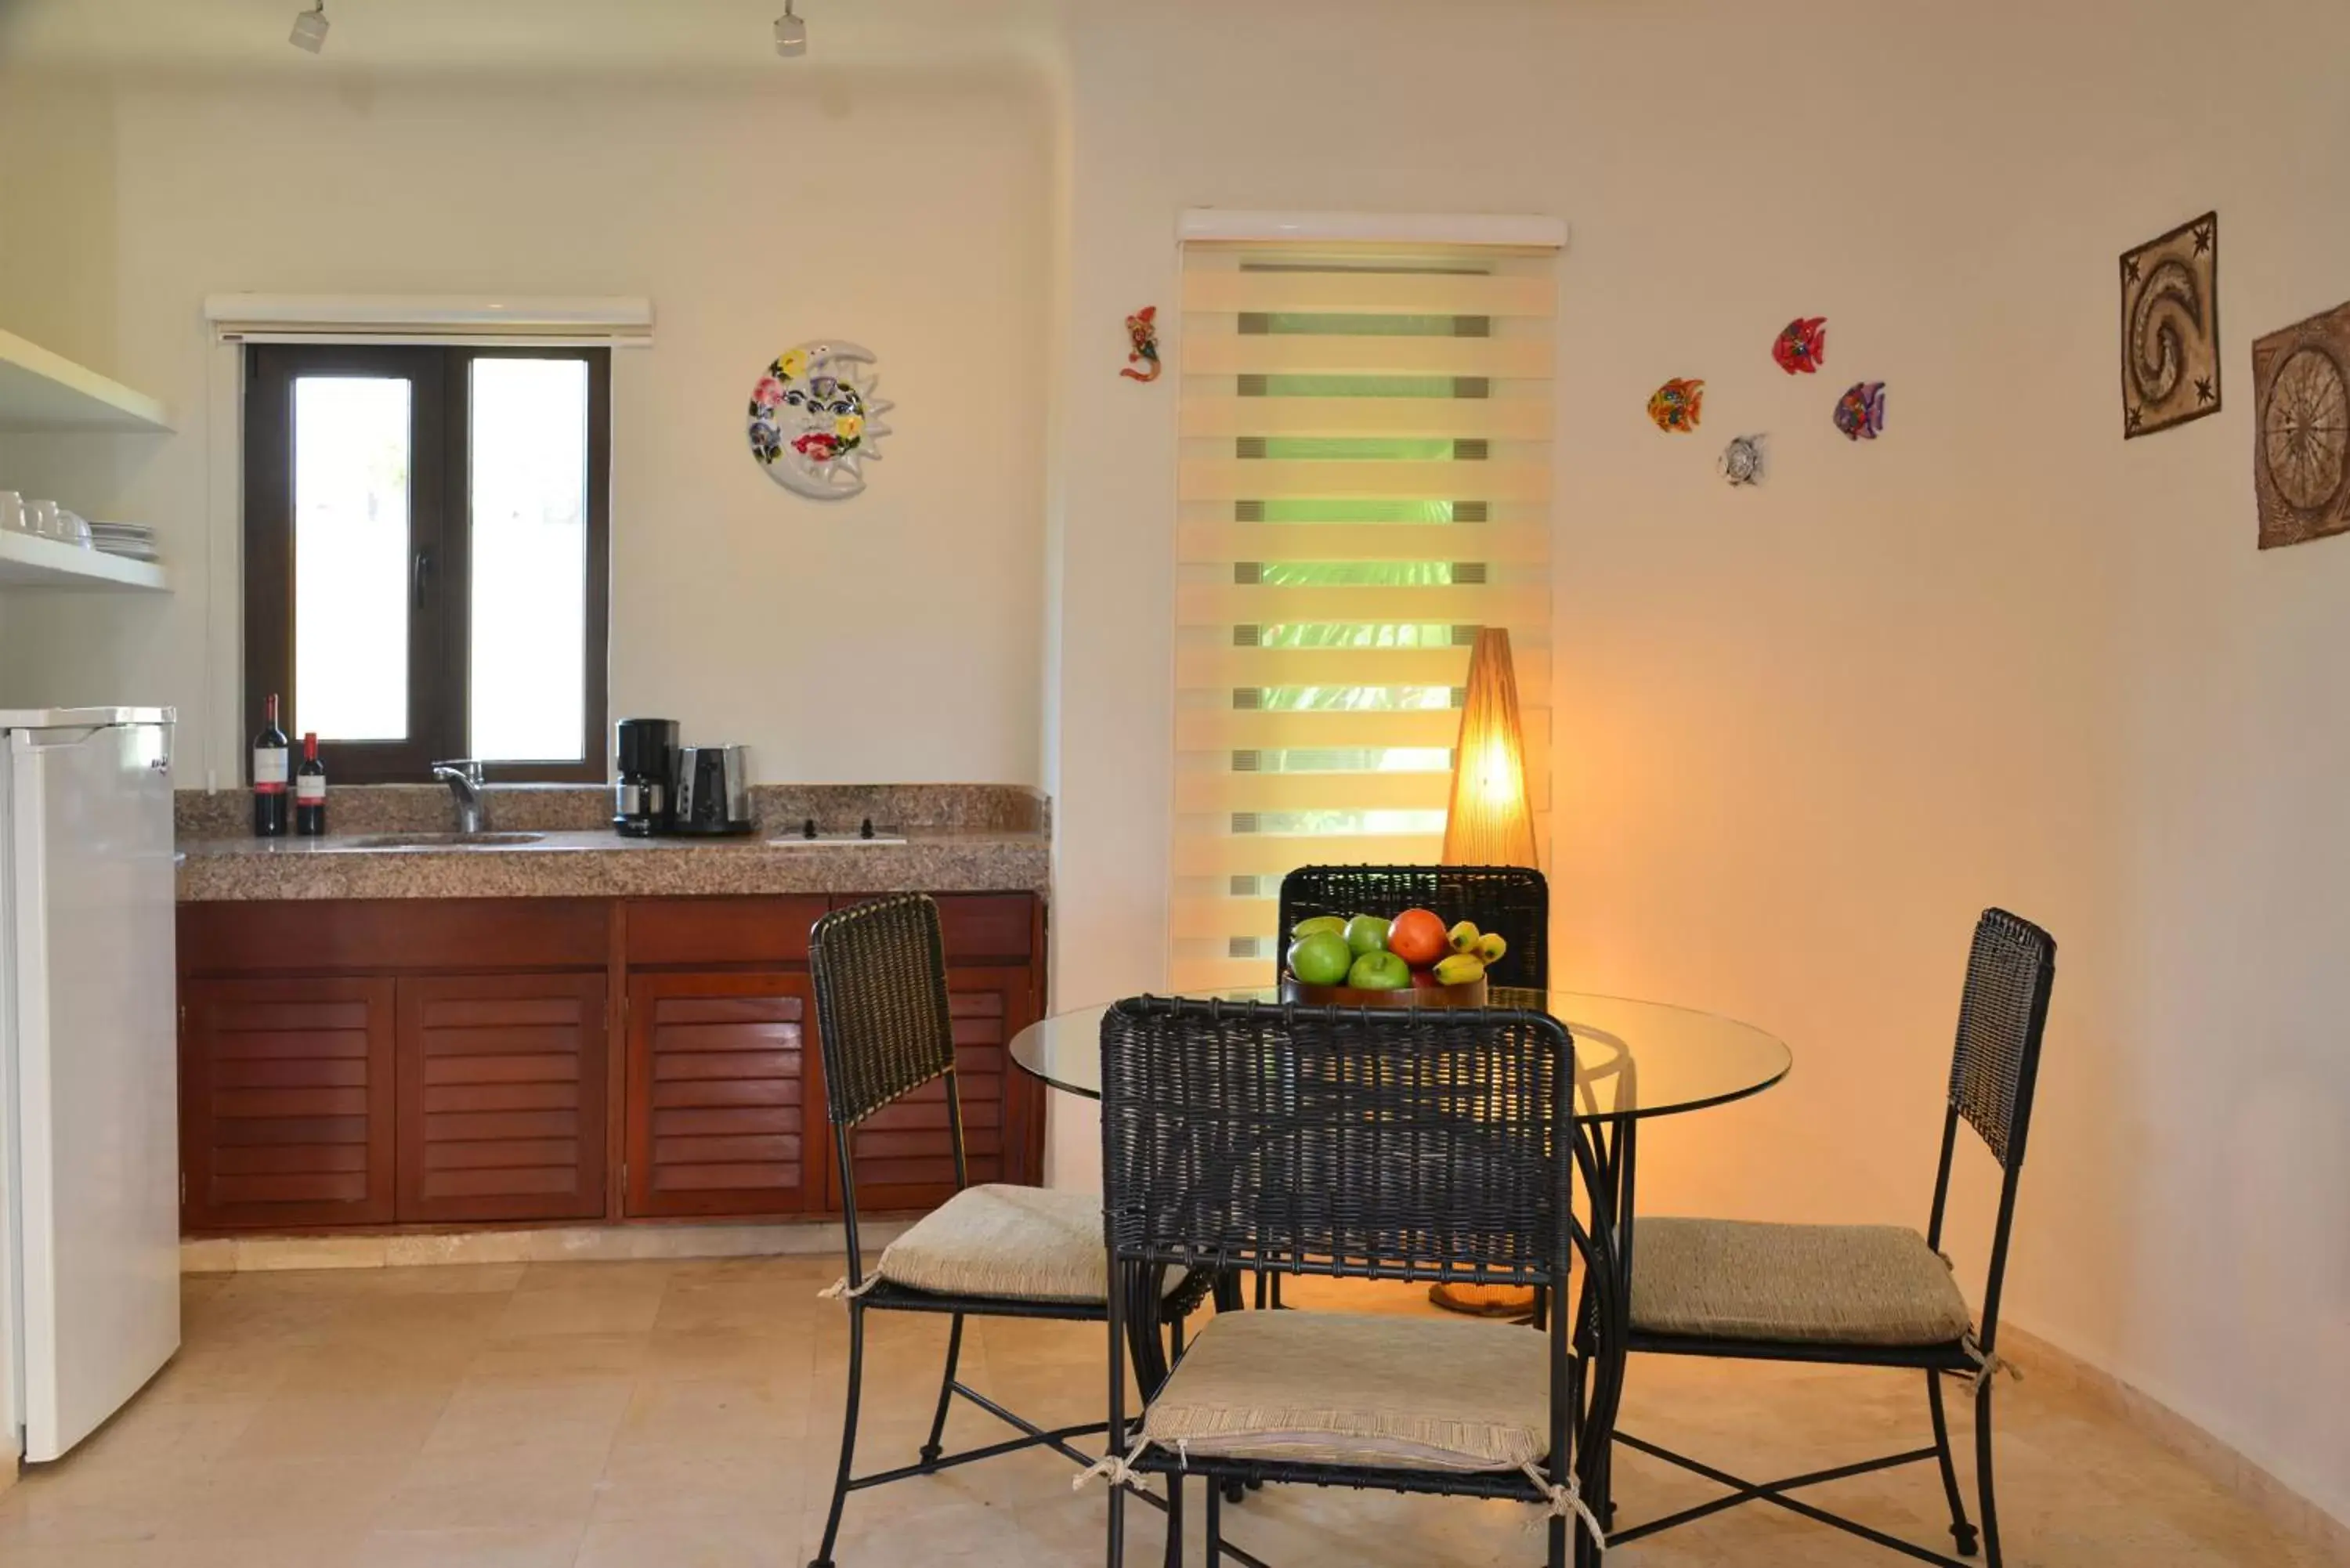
(1365, 480)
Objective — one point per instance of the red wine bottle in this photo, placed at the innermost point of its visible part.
(269, 776)
(310, 789)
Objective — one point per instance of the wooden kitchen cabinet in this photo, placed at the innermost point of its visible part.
(501, 1083)
(438, 1062)
(722, 1115)
(286, 1102)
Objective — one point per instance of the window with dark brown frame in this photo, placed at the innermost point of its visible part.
(427, 542)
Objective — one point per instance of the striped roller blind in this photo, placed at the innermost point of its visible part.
(1365, 482)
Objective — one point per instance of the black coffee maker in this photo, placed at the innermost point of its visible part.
(642, 750)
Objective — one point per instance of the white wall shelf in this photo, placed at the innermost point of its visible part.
(27, 562)
(44, 392)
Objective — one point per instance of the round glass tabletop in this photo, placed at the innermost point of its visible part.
(1631, 1058)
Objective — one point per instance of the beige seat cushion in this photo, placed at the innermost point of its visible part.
(1029, 1243)
(1318, 1388)
(1812, 1284)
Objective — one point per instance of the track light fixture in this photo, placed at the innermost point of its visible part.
(791, 33)
(310, 28)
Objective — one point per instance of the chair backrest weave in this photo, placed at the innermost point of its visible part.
(1407, 1144)
(882, 1015)
(1511, 899)
(2002, 1015)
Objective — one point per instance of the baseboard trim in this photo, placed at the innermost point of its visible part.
(552, 1244)
(2286, 1510)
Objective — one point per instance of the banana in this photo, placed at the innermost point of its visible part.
(1460, 970)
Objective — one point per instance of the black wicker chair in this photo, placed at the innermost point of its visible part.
(884, 1027)
(1865, 1296)
(1511, 899)
(1427, 1146)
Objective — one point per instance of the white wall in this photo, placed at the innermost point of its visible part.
(894, 637)
(1806, 732)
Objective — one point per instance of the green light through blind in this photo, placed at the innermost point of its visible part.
(1355, 573)
(1321, 323)
(1354, 634)
(1359, 387)
(1320, 510)
(1354, 698)
(1360, 449)
(1355, 759)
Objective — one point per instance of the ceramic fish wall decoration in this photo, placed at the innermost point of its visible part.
(1742, 461)
(1860, 412)
(1678, 405)
(1802, 346)
(1142, 332)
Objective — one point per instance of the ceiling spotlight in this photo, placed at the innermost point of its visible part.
(790, 34)
(310, 28)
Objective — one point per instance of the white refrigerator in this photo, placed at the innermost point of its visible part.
(89, 1252)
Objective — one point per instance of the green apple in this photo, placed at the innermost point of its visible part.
(1334, 924)
(1367, 934)
(1321, 959)
(1381, 971)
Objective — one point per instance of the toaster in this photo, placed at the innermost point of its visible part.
(710, 789)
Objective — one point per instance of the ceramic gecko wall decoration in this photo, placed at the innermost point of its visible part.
(1142, 332)
(1678, 405)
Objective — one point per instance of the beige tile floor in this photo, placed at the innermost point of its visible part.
(684, 1415)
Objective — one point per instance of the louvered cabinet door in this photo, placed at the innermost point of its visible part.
(286, 1102)
(502, 1093)
(722, 1113)
(905, 1159)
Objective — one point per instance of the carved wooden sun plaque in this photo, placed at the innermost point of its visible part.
(2301, 443)
(2170, 328)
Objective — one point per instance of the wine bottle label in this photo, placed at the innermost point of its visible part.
(268, 767)
(310, 789)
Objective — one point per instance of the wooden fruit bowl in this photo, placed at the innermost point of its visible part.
(1469, 994)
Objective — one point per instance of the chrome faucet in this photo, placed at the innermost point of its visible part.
(464, 778)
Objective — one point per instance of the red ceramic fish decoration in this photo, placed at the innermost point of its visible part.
(1802, 347)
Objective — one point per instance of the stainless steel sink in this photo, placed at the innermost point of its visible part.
(443, 840)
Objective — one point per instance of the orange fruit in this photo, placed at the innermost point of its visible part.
(1417, 937)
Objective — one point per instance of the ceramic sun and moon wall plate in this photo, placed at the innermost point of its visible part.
(2301, 454)
(2170, 328)
(815, 419)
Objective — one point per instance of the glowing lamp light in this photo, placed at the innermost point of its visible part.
(1492, 822)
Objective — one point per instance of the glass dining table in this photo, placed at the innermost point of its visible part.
(1634, 1062)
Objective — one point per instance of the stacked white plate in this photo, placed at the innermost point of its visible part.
(132, 541)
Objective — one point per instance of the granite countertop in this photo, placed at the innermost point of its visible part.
(603, 865)
(957, 839)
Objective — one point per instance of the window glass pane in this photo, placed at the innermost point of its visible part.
(351, 557)
(529, 626)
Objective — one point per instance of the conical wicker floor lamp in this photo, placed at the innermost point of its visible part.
(1491, 823)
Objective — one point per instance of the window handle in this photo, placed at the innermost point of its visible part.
(421, 574)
